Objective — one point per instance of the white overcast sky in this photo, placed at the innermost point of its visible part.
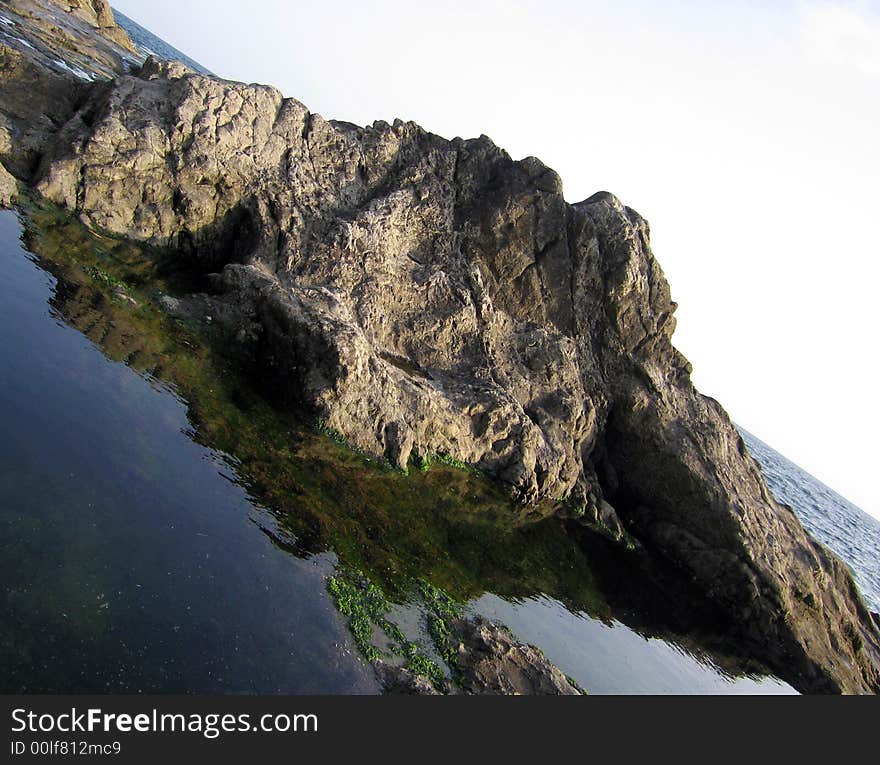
(745, 132)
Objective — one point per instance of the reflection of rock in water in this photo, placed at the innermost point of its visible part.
(488, 660)
(541, 330)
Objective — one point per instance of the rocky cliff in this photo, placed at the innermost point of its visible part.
(429, 297)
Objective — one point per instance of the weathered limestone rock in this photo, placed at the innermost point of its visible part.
(78, 39)
(96, 12)
(34, 103)
(489, 660)
(427, 296)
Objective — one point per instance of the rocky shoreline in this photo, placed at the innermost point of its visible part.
(427, 299)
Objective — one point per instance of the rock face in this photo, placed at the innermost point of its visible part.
(34, 103)
(424, 296)
(489, 660)
(73, 37)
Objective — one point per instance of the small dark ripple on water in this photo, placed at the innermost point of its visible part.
(848, 531)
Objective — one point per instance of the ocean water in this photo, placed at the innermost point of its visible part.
(151, 45)
(836, 522)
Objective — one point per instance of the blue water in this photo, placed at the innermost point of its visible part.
(836, 522)
(151, 45)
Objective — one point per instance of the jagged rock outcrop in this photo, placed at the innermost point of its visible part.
(96, 12)
(424, 296)
(76, 38)
(419, 295)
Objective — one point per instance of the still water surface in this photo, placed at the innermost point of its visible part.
(132, 557)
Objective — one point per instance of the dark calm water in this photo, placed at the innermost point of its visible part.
(151, 45)
(130, 562)
(836, 522)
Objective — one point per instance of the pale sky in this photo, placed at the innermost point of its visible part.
(745, 132)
